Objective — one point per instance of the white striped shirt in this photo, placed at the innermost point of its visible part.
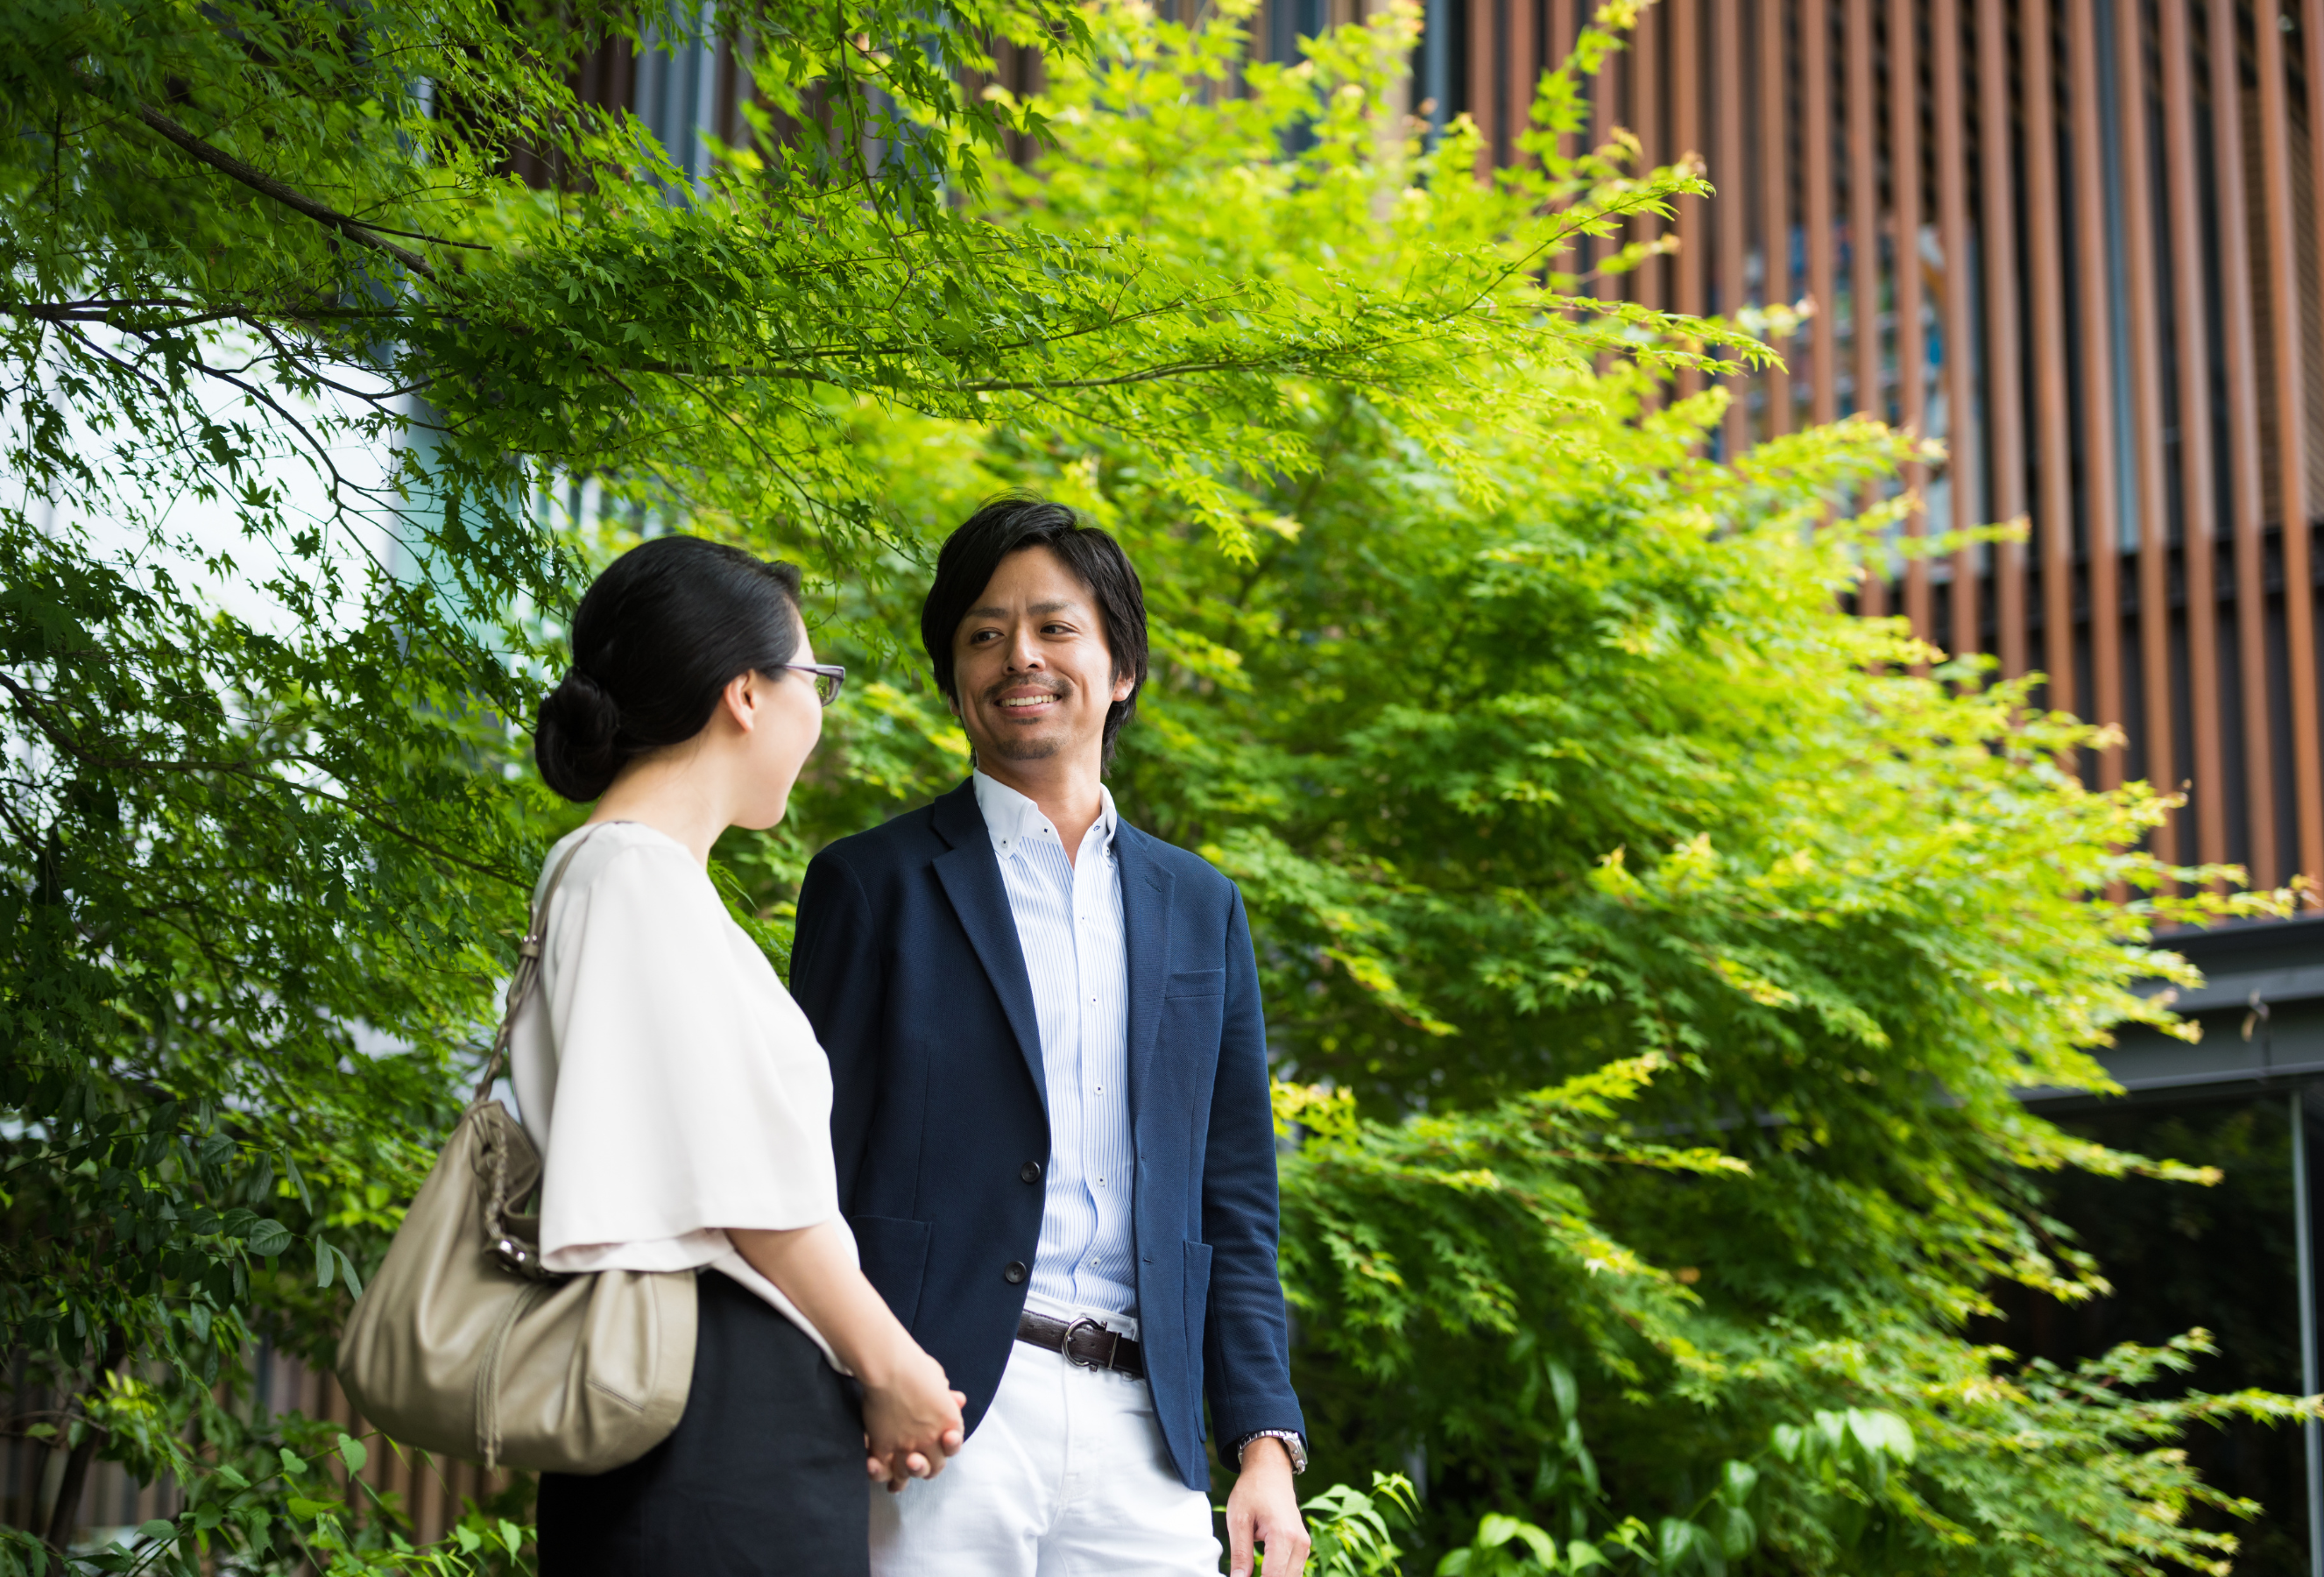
(1069, 926)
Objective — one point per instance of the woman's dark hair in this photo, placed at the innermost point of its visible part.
(1009, 524)
(656, 639)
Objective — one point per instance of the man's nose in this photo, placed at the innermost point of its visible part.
(1024, 653)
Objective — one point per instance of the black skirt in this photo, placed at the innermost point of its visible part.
(764, 1476)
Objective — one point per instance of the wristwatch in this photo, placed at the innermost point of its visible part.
(1292, 1445)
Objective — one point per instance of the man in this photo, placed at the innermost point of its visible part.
(1050, 1104)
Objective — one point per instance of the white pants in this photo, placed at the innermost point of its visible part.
(1066, 1476)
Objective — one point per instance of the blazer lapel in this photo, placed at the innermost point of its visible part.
(1146, 922)
(970, 873)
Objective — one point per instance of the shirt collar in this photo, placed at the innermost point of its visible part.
(1010, 817)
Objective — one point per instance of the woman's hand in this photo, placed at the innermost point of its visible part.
(915, 1465)
(911, 1414)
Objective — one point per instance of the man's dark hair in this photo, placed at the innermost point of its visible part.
(1009, 524)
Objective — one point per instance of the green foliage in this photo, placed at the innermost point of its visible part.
(1651, 951)
(295, 375)
(281, 1498)
(1354, 1532)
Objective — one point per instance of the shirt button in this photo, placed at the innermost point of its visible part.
(1015, 1272)
(1030, 1172)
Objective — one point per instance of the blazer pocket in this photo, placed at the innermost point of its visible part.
(1197, 1310)
(895, 1258)
(1197, 983)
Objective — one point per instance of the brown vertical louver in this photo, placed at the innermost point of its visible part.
(1523, 68)
(2291, 428)
(1864, 253)
(2004, 388)
(2101, 511)
(1605, 97)
(2198, 479)
(1953, 315)
(1687, 121)
(1775, 207)
(2053, 517)
(1489, 23)
(2153, 508)
(2284, 358)
(1904, 282)
(1727, 173)
(1815, 173)
(2298, 571)
(1606, 91)
(2246, 501)
(1645, 122)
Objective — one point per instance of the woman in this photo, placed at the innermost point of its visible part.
(680, 1101)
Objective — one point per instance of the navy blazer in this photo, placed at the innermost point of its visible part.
(907, 966)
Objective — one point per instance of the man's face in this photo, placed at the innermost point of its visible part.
(1032, 675)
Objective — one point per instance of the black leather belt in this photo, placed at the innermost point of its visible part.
(1084, 1342)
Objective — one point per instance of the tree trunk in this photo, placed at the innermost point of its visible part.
(66, 1512)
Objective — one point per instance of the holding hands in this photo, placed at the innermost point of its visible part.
(911, 1414)
(911, 1419)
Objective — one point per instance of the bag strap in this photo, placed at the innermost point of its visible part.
(528, 965)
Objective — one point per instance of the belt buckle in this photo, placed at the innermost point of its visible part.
(1067, 1349)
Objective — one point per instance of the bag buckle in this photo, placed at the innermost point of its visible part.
(514, 1257)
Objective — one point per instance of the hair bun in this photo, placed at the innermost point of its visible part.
(665, 629)
(576, 744)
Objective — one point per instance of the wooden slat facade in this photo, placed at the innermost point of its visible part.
(2079, 242)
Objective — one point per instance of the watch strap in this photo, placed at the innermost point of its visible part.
(1294, 1446)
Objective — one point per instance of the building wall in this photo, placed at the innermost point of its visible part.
(2077, 241)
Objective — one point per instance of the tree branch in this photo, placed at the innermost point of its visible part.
(265, 185)
(118, 313)
(65, 1515)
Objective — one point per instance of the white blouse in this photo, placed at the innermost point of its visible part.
(674, 1088)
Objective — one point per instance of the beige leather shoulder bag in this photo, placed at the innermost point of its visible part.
(463, 1344)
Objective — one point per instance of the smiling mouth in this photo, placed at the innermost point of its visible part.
(1022, 705)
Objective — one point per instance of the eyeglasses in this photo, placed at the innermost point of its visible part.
(829, 679)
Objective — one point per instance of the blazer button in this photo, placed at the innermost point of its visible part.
(1030, 1172)
(1015, 1273)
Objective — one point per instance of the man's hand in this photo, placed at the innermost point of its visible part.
(911, 1415)
(913, 1464)
(1264, 1508)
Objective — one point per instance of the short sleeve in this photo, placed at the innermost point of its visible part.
(685, 1099)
